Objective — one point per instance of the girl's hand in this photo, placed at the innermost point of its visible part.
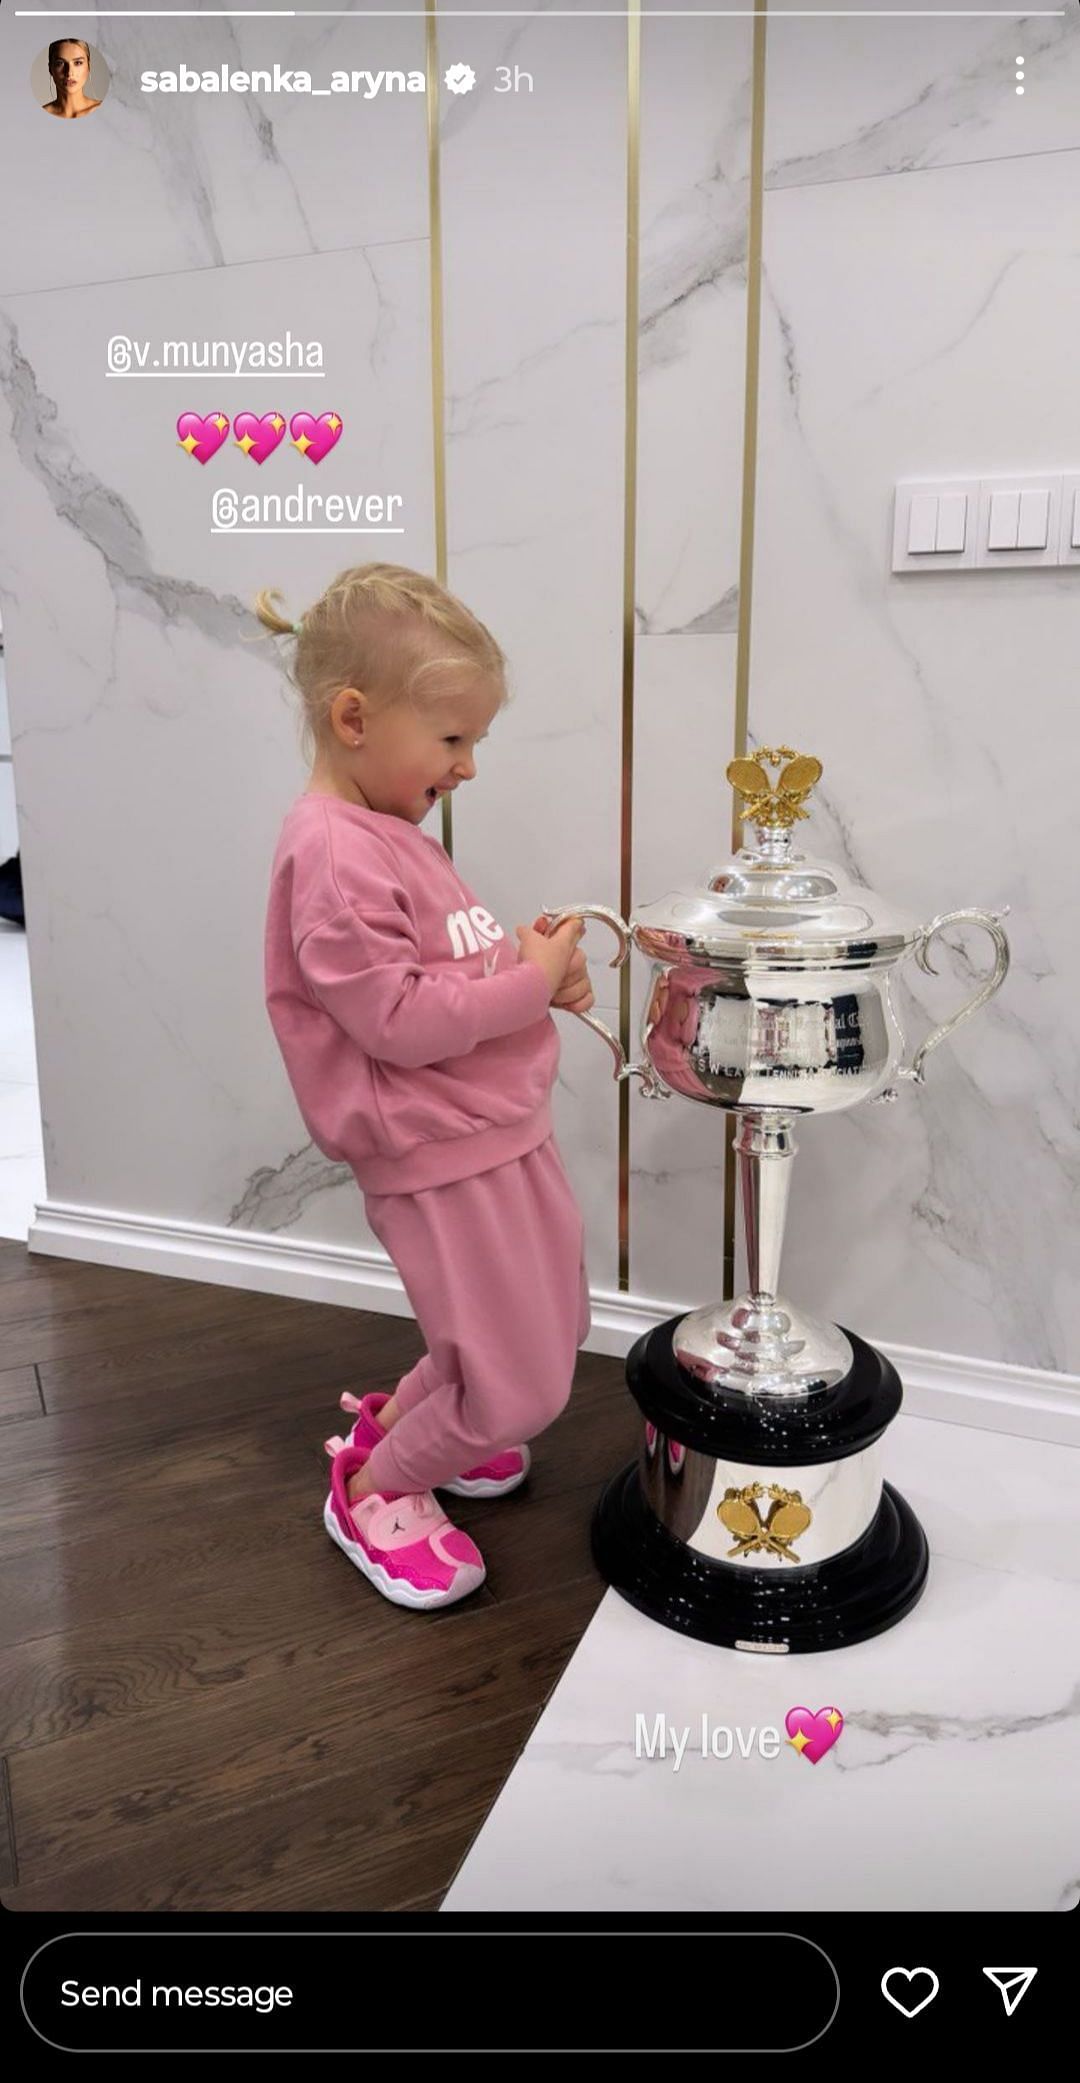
(575, 994)
(549, 951)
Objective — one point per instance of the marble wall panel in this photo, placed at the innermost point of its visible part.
(865, 89)
(898, 341)
(155, 739)
(153, 183)
(694, 211)
(695, 165)
(684, 728)
(534, 282)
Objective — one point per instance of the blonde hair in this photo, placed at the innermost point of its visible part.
(377, 627)
(56, 48)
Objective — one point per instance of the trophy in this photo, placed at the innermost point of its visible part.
(756, 1515)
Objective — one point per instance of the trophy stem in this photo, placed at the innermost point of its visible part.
(765, 1145)
(759, 1343)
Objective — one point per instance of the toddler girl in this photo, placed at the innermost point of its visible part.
(421, 1051)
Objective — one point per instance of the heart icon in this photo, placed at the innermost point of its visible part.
(258, 437)
(202, 438)
(905, 2002)
(813, 1734)
(315, 437)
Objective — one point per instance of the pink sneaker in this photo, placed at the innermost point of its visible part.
(494, 1478)
(405, 1545)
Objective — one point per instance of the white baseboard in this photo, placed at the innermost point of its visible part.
(947, 1387)
(992, 1394)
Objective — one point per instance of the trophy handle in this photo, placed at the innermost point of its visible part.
(990, 920)
(650, 1083)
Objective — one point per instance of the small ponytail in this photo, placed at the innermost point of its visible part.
(270, 618)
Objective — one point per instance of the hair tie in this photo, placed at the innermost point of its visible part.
(297, 628)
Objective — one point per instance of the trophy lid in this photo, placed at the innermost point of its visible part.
(771, 904)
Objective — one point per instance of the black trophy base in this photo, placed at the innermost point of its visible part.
(828, 1605)
(846, 1598)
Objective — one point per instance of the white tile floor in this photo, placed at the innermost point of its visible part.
(22, 1162)
(955, 1782)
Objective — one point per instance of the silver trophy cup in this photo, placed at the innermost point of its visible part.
(770, 998)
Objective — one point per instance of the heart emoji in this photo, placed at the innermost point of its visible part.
(315, 437)
(906, 2001)
(202, 438)
(813, 1734)
(258, 437)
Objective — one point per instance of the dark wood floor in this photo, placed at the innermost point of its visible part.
(204, 1706)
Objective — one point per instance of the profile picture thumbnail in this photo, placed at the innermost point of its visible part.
(70, 79)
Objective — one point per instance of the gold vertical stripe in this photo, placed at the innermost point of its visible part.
(746, 544)
(633, 151)
(435, 269)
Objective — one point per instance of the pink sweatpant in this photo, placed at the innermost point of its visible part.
(494, 1269)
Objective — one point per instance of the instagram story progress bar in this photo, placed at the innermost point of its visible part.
(546, 14)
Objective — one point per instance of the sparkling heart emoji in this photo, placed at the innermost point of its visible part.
(258, 437)
(315, 437)
(813, 1734)
(202, 438)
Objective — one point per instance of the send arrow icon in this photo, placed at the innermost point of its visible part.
(1013, 1982)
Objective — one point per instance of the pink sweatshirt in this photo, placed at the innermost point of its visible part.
(418, 1045)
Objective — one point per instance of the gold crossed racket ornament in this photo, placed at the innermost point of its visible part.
(787, 1517)
(776, 802)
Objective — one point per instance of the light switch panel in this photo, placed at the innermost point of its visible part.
(1018, 521)
(989, 523)
(934, 524)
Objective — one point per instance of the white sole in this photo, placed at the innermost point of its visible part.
(394, 1588)
(485, 1487)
